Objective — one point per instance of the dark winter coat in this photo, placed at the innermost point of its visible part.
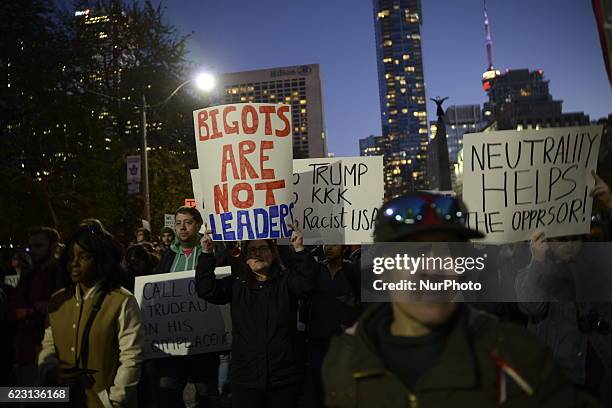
(464, 375)
(264, 318)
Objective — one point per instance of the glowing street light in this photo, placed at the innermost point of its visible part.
(205, 81)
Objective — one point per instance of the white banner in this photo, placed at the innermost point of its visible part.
(518, 182)
(133, 174)
(176, 321)
(246, 150)
(12, 280)
(337, 199)
(169, 220)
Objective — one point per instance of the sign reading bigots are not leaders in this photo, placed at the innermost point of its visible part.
(247, 152)
(518, 182)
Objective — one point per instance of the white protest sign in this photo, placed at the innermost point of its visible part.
(12, 280)
(518, 182)
(337, 199)
(197, 189)
(246, 150)
(133, 174)
(176, 321)
(169, 220)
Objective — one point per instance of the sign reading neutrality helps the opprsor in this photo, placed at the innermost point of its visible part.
(518, 182)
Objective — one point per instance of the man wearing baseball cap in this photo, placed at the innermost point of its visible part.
(409, 354)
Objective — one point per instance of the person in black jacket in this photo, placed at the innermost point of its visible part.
(263, 297)
(333, 307)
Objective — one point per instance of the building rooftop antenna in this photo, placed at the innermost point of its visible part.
(488, 41)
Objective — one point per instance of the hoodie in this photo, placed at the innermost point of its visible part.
(177, 259)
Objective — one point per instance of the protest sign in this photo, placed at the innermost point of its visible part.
(246, 150)
(197, 190)
(337, 199)
(197, 193)
(518, 182)
(11, 280)
(176, 321)
(169, 220)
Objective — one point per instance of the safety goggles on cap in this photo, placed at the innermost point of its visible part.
(420, 212)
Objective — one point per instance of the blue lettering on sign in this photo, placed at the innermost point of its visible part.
(256, 223)
(274, 232)
(226, 226)
(261, 233)
(215, 235)
(243, 222)
(284, 211)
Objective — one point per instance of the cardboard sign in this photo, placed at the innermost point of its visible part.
(176, 321)
(197, 190)
(518, 182)
(11, 280)
(246, 150)
(337, 199)
(169, 220)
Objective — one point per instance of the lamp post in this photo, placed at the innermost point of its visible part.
(205, 82)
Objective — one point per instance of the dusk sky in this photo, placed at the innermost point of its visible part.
(558, 36)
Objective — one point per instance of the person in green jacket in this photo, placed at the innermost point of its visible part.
(416, 354)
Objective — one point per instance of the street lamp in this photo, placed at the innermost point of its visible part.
(204, 82)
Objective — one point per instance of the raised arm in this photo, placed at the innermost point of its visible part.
(208, 287)
(302, 279)
(530, 281)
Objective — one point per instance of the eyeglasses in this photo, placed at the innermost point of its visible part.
(415, 209)
(253, 251)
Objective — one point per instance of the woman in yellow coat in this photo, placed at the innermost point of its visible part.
(94, 340)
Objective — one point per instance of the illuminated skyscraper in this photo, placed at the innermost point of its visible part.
(520, 98)
(402, 93)
(298, 86)
(106, 32)
(371, 146)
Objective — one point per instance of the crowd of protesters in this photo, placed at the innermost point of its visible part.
(301, 336)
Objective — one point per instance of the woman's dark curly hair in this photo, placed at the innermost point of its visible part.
(104, 249)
